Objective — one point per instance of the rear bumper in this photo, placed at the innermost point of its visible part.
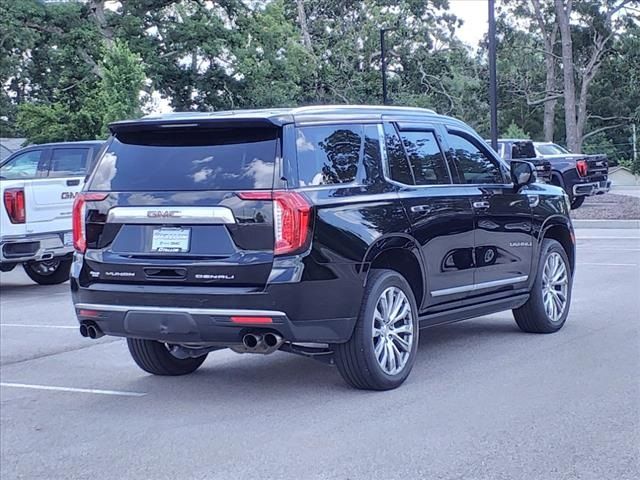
(208, 326)
(592, 188)
(36, 247)
(317, 311)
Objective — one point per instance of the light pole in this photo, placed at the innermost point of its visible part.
(383, 64)
(493, 89)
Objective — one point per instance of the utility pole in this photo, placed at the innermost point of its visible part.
(635, 144)
(383, 64)
(493, 89)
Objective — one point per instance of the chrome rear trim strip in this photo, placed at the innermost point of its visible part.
(168, 215)
(220, 312)
(479, 286)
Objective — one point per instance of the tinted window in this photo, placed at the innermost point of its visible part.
(425, 158)
(474, 162)
(328, 154)
(188, 159)
(67, 162)
(372, 157)
(399, 169)
(25, 165)
(521, 150)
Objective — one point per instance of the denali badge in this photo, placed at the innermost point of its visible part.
(120, 274)
(221, 276)
(163, 213)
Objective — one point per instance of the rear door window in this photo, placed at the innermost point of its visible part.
(329, 154)
(68, 162)
(427, 162)
(182, 159)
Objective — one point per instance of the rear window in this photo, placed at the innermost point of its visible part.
(66, 162)
(522, 150)
(179, 159)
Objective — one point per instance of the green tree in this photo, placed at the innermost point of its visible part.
(119, 88)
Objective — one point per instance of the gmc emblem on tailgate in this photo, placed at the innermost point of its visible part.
(163, 213)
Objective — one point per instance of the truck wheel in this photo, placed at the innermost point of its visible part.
(49, 272)
(382, 349)
(549, 301)
(154, 357)
(576, 202)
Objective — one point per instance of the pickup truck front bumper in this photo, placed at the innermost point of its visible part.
(36, 247)
(592, 188)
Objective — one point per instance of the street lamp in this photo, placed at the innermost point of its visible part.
(383, 64)
(493, 89)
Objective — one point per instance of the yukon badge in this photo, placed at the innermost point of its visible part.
(520, 244)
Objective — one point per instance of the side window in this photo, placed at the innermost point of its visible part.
(68, 162)
(372, 171)
(23, 166)
(328, 154)
(399, 169)
(474, 163)
(427, 162)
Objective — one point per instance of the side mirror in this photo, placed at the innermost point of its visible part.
(522, 173)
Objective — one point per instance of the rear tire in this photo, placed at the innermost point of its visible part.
(576, 202)
(549, 301)
(155, 358)
(383, 347)
(49, 272)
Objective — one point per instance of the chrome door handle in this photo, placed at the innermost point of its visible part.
(421, 208)
(483, 205)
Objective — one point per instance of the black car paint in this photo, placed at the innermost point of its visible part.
(320, 290)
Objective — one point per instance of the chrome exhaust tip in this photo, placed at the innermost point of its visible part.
(84, 330)
(94, 332)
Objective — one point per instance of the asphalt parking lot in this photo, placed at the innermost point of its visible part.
(484, 401)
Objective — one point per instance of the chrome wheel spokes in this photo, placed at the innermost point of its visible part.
(392, 330)
(555, 286)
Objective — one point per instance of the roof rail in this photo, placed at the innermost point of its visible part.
(391, 108)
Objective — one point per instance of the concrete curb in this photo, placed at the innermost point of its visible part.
(630, 224)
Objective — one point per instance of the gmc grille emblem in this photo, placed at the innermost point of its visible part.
(163, 213)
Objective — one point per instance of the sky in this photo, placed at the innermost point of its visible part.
(474, 14)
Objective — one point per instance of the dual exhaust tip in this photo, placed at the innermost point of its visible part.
(260, 343)
(88, 330)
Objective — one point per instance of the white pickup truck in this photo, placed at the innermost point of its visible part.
(38, 184)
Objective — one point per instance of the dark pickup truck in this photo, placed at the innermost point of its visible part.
(579, 175)
(524, 150)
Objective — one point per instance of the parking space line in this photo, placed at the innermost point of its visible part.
(73, 390)
(607, 238)
(609, 264)
(37, 326)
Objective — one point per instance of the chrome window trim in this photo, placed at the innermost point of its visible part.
(223, 312)
(479, 286)
(177, 215)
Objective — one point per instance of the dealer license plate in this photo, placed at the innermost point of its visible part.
(170, 240)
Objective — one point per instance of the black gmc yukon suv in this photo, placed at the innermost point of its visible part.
(330, 232)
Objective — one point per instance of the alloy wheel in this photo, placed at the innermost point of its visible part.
(555, 286)
(46, 267)
(393, 334)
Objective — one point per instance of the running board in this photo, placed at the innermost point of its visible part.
(472, 311)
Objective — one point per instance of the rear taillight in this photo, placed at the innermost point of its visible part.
(582, 167)
(15, 205)
(79, 213)
(291, 219)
